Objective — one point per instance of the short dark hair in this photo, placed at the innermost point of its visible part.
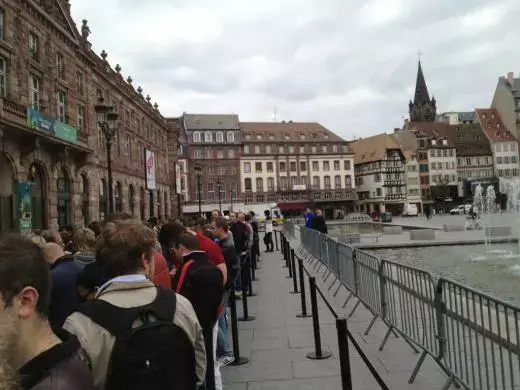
(91, 276)
(152, 220)
(121, 245)
(22, 264)
(222, 223)
(248, 217)
(189, 241)
(95, 226)
(170, 233)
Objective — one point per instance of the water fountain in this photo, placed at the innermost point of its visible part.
(486, 209)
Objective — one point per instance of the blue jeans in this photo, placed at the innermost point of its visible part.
(223, 348)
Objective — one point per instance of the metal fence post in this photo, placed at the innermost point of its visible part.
(303, 314)
(344, 355)
(293, 268)
(276, 232)
(245, 280)
(239, 360)
(289, 261)
(318, 354)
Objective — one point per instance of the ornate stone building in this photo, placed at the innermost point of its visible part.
(53, 158)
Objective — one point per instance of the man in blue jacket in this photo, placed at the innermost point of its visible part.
(309, 218)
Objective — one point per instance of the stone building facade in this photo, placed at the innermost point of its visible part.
(213, 143)
(53, 158)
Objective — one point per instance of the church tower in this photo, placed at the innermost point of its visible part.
(422, 109)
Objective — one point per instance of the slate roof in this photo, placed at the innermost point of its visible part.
(372, 149)
(288, 132)
(467, 116)
(492, 125)
(434, 130)
(211, 122)
(470, 140)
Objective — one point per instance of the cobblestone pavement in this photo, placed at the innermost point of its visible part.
(277, 343)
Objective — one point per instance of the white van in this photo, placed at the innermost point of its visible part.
(410, 210)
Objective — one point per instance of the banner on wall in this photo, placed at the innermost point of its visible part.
(149, 161)
(24, 200)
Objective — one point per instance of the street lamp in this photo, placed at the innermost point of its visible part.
(106, 119)
(219, 198)
(198, 172)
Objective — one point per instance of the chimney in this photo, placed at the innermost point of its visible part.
(283, 121)
(290, 121)
(510, 76)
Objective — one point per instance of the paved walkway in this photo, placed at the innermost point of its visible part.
(277, 342)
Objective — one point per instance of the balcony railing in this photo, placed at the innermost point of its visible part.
(14, 111)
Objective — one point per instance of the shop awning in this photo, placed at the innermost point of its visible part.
(286, 206)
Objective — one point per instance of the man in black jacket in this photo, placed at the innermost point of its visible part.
(318, 223)
(44, 360)
(241, 239)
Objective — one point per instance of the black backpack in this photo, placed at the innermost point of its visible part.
(202, 283)
(156, 355)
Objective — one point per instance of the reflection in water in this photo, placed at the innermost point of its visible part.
(498, 276)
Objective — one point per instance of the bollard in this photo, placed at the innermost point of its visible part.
(287, 254)
(344, 355)
(293, 269)
(210, 362)
(244, 273)
(250, 278)
(252, 256)
(276, 238)
(303, 314)
(318, 354)
(239, 360)
(284, 252)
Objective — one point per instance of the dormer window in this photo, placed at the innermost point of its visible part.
(508, 133)
(314, 135)
(302, 136)
(259, 136)
(497, 133)
(271, 136)
(248, 136)
(325, 136)
(445, 142)
(484, 116)
(477, 137)
(434, 142)
(498, 125)
(208, 137)
(287, 137)
(492, 115)
(489, 125)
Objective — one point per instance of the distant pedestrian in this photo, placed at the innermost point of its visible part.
(309, 217)
(427, 211)
(318, 223)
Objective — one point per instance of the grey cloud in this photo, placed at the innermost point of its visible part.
(340, 54)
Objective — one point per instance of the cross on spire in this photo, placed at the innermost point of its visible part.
(419, 55)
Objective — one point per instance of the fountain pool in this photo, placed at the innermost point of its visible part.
(497, 275)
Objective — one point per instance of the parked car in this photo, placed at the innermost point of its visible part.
(410, 210)
(461, 209)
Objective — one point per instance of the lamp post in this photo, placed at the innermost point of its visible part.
(198, 172)
(219, 197)
(106, 119)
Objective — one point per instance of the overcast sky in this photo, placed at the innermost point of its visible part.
(348, 64)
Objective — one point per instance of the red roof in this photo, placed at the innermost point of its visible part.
(492, 125)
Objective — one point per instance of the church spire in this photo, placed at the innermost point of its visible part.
(422, 109)
(421, 90)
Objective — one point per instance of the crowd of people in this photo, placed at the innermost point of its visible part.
(123, 304)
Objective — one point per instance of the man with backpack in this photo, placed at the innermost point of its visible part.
(202, 283)
(136, 335)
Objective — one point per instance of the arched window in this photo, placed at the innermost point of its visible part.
(118, 192)
(64, 198)
(230, 136)
(103, 199)
(259, 184)
(270, 184)
(220, 136)
(208, 136)
(196, 136)
(142, 203)
(159, 205)
(38, 180)
(248, 187)
(85, 212)
(166, 208)
(131, 199)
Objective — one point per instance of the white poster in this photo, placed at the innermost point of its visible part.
(149, 161)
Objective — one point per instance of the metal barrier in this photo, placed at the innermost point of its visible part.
(473, 337)
(482, 338)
